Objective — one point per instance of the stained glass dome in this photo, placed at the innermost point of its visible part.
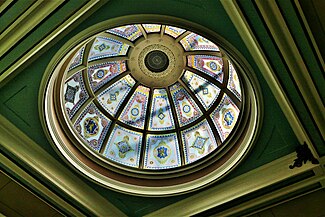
(147, 105)
(151, 96)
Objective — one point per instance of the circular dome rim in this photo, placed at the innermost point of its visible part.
(143, 19)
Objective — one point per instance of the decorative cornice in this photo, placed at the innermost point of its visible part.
(303, 155)
(242, 185)
(289, 50)
(25, 150)
(75, 19)
(240, 23)
(26, 22)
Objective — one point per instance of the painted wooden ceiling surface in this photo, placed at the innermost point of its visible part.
(31, 32)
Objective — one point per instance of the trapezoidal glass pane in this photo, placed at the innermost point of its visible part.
(210, 65)
(162, 152)
(124, 146)
(161, 117)
(130, 32)
(135, 111)
(75, 93)
(194, 42)
(92, 126)
(203, 89)
(151, 27)
(112, 97)
(225, 117)
(106, 47)
(174, 31)
(233, 82)
(186, 108)
(198, 142)
(77, 58)
(100, 74)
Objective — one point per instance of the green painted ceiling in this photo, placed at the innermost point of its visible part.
(19, 97)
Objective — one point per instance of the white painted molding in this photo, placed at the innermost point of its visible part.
(24, 149)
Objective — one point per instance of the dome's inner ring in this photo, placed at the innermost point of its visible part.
(156, 61)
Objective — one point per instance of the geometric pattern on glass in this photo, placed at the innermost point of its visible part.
(151, 27)
(77, 58)
(204, 90)
(135, 110)
(75, 93)
(194, 42)
(198, 142)
(92, 126)
(113, 96)
(233, 81)
(124, 146)
(225, 117)
(162, 151)
(106, 47)
(210, 65)
(161, 117)
(186, 108)
(130, 32)
(174, 31)
(100, 74)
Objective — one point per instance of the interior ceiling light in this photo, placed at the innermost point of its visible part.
(147, 106)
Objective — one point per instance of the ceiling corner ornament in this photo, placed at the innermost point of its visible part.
(150, 108)
(303, 155)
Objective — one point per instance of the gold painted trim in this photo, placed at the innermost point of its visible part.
(271, 196)
(24, 149)
(75, 19)
(5, 4)
(252, 45)
(26, 22)
(242, 185)
(303, 17)
(284, 40)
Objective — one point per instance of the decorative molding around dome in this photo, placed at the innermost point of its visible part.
(150, 108)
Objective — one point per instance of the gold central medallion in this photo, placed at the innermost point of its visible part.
(157, 61)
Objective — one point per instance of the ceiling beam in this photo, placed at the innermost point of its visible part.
(23, 149)
(244, 30)
(290, 52)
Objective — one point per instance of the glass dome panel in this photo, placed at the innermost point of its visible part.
(130, 32)
(162, 104)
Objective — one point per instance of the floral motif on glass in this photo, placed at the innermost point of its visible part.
(124, 146)
(135, 111)
(161, 117)
(210, 65)
(151, 27)
(100, 74)
(174, 31)
(75, 93)
(130, 32)
(225, 117)
(198, 142)
(112, 97)
(196, 42)
(233, 81)
(187, 110)
(204, 90)
(162, 151)
(77, 58)
(106, 47)
(92, 126)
